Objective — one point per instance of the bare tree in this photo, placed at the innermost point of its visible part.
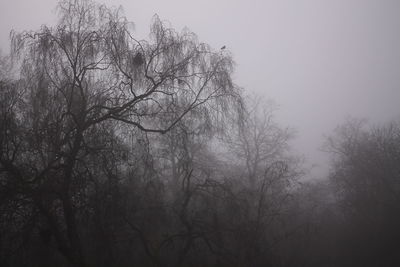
(257, 140)
(366, 177)
(81, 84)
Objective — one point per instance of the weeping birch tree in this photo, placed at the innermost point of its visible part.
(82, 84)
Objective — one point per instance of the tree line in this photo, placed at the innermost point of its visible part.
(116, 151)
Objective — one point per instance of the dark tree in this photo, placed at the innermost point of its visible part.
(366, 174)
(83, 85)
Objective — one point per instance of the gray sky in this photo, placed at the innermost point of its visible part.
(319, 60)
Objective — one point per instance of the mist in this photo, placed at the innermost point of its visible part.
(288, 110)
(320, 61)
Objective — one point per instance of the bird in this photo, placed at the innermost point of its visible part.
(222, 48)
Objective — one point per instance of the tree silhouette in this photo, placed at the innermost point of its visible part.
(82, 84)
(366, 177)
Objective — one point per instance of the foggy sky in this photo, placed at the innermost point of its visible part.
(321, 61)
